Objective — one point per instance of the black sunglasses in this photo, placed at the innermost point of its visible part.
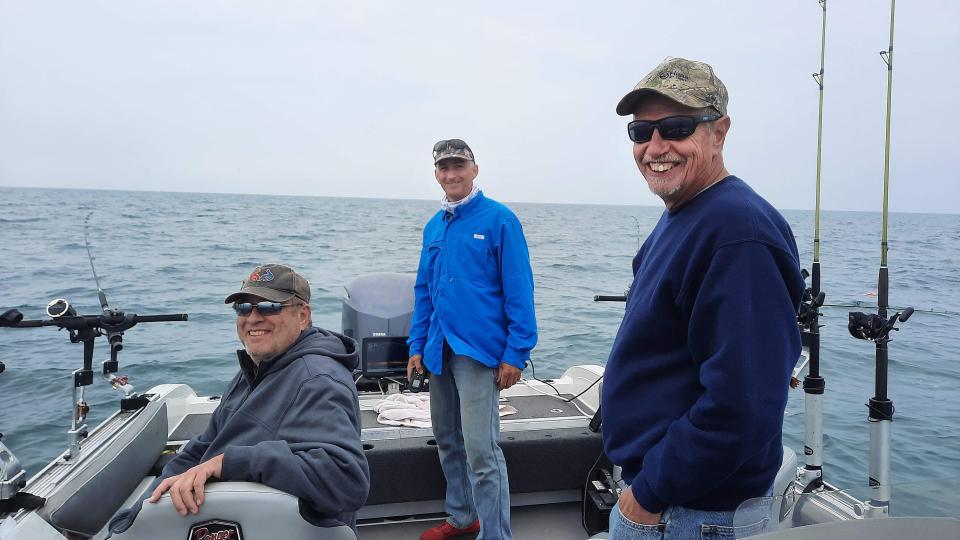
(264, 308)
(671, 128)
(456, 144)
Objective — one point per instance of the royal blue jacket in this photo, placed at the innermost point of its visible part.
(696, 382)
(474, 287)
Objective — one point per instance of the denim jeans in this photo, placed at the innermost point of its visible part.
(679, 523)
(464, 404)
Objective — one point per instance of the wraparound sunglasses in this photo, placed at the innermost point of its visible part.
(264, 308)
(671, 128)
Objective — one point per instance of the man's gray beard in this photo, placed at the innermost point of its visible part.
(662, 193)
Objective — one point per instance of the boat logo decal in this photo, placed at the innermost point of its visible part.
(261, 275)
(216, 529)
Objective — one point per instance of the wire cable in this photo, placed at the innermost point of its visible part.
(533, 369)
(561, 398)
(600, 378)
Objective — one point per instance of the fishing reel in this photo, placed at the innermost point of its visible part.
(59, 307)
(873, 327)
(809, 305)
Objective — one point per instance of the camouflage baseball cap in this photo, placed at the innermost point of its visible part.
(685, 81)
(273, 282)
(452, 148)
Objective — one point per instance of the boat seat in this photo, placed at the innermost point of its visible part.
(890, 528)
(109, 467)
(257, 511)
(787, 472)
(784, 479)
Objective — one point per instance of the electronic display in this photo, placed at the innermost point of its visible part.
(384, 356)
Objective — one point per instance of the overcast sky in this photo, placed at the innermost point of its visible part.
(347, 98)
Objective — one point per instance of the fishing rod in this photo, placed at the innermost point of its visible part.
(858, 304)
(809, 315)
(877, 327)
(85, 329)
(620, 297)
(86, 240)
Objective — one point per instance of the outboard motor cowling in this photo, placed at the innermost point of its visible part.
(377, 312)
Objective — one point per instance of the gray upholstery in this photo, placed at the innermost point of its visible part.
(785, 477)
(106, 474)
(893, 528)
(261, 512)
(787, 472)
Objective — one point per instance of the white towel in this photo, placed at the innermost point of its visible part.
(413, 410)
(403, 401)
(405, 417)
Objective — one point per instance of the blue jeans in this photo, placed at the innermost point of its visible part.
(679, 523)
(464, 404)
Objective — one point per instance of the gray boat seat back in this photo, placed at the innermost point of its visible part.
(259, 512)
(785, 477)
(105, 474)
(891, 528)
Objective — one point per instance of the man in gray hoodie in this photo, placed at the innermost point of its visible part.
(290, 418)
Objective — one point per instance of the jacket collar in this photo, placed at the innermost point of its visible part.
(254, 372)
(465, 208)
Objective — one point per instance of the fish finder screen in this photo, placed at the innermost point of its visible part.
(385, 356)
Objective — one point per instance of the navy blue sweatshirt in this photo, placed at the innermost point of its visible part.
(696, 383)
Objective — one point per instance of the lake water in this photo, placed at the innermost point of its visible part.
(176, 252)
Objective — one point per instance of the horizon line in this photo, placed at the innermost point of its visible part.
(359, 197)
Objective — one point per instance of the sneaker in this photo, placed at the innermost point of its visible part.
(446, 530)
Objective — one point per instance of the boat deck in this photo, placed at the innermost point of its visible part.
(555, 521)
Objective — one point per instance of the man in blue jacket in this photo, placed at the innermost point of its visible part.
(473, 328)
(289, 419)
(696, 382)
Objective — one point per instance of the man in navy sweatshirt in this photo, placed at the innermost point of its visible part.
(289, 418)
(696, 382)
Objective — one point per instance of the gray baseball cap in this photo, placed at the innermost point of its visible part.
(273, 282)
(685, 81)
(452, 148)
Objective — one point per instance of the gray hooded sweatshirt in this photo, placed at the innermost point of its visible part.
(291, 423)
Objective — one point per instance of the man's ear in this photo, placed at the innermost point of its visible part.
(305, 318)
(720, 128)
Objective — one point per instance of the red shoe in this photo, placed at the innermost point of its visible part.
(446, 530)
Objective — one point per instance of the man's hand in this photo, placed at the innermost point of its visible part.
(186, 489)
(507, 376)
(632, 510)
(415, 362)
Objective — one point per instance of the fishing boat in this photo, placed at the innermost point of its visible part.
(561, 485)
